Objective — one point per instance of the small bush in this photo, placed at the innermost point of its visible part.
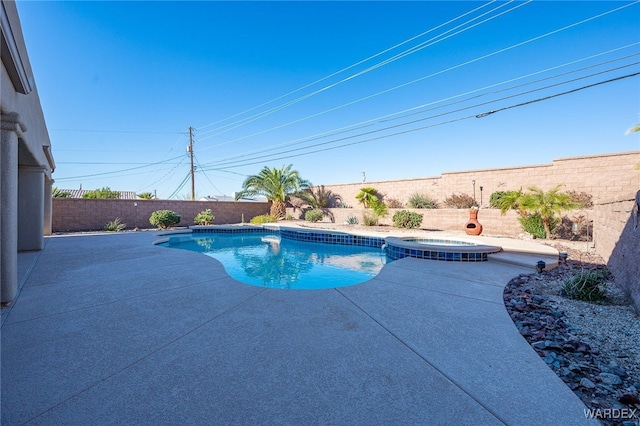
(407, 219)
(421, 201)
(587, 286)
(582, 200)
(394, 203)
(164, 219)
(343, 206)
(369, 219)
(532, 224)
(459, 201)
(351, 220)
(263, 218)
(115, 225)
(314, 215)
(205, 217)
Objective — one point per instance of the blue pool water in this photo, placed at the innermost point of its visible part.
(267, 260)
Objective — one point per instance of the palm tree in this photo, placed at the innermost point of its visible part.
(547, 204)
(367, 196)
(276, 185)
(146, 196)
(510, 200)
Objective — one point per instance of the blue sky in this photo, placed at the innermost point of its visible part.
(391, 89)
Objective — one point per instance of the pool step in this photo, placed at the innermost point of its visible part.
(524, 259)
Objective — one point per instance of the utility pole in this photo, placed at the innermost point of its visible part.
(190, 150)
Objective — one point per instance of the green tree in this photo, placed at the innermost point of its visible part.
(59, 193)
(275, 184)
(146, 196)
(105, 192)
(548, 205)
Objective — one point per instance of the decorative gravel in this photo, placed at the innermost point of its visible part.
(593, 347)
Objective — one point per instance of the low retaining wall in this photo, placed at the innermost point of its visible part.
(79, 214)
(492, 221)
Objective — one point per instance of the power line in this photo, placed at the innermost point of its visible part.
(346, 68)
(117, 131)
(414, 49)
(241, 158)
(499, 51)
(428, 126)
(117, 171)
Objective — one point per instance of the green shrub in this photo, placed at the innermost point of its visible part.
(532, 224)
(369, 219)
(407, 219)
(588, 286)
(205, 217)
(494, 199)
(351, 220)
(105, 192)
(164, 219)
(263, 218)
(115, 225)
(314, 215)
(343, 206)
(459, 201)
(421, 201)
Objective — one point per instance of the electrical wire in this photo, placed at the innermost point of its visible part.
(429, 126)
(347, 68)
(387, 118)
(117, 171)
(424, 77)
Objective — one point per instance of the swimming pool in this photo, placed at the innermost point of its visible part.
(288, 259)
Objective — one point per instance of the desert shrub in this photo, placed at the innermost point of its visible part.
(263, 218)
(589, 286)
(115, 225)
(314, 215)
(533, 225)
(205, 217)
(394, 203)
(459, 201)
(407, 219)
(421, 201)
(343, 206)
(369, 219)
(164, 219)
(351, 220)
(581, 200)
(105, 192)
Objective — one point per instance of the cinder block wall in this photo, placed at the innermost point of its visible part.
(605, 177)
(492, 221)
(77, 214)
(617, 233)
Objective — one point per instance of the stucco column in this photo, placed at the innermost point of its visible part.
(9, 208)
(30, 208)
(48, 205)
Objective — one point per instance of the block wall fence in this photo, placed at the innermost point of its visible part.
(78, 214)
(606, 177)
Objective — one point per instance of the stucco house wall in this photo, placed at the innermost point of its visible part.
(26, 163)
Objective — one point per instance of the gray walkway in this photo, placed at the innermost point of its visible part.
(110, 329)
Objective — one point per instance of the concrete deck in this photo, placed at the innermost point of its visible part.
(110, 329)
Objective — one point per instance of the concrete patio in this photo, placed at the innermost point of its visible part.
(111, 329)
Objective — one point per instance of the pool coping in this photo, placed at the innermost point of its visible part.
(516, 252)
